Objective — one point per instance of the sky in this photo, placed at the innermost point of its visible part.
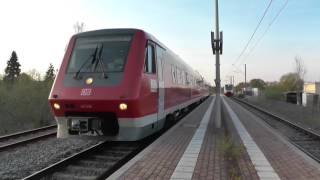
(39, 31)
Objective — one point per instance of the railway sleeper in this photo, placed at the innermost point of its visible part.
(115, 153)
(92, 163)
(106, 158)
(121, 149)
(66, 176)
(84, 170)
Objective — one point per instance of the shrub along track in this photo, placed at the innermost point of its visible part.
(304, 139)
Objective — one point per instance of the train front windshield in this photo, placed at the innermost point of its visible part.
(228, 87)
(99, 54)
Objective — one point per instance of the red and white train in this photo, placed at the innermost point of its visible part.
(228, 90)
(121, 83)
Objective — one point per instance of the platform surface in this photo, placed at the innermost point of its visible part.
(287, 161)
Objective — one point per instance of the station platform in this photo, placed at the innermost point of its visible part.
(196, 149)
(278, 158)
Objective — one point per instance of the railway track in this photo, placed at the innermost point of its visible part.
(24, 137)
(96, 162)
(304, 139)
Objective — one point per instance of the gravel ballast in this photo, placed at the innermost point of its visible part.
(23, 161)
(305, 116)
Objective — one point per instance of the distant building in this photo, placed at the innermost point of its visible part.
(250, 91)
(311, 93)
(255, 92)
(293, 97)
(313, 88)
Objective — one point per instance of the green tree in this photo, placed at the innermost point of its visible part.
(258, 83)
(239, 87)
(25, 78)
(291, 82)
(50, 74)
(12, 70)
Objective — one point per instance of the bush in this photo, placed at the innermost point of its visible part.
(241, 96)
(24, 104)
(274, 92)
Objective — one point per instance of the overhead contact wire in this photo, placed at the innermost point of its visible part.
(270, 24)
(254, 32)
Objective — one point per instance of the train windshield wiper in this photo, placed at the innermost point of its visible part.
(99, 60)
(93, 57)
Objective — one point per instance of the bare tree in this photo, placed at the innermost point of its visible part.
(34, 74)
(300, 71)
(300, 68)
(78, 27)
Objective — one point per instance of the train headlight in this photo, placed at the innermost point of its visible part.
(56, 106)
(123, 106)
(89, 80)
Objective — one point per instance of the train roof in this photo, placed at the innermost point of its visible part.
(107, 31)
(119, 31)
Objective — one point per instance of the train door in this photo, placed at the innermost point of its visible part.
(150, 70)
(161, 88)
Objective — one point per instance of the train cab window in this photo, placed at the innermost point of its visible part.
(150, 62)
(112, 51)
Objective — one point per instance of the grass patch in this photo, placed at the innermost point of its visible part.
(232, 152)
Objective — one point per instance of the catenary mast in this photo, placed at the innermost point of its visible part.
(216, 40)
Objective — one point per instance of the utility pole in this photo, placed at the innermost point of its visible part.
(245, 76)
(233, 80)
(216, 42)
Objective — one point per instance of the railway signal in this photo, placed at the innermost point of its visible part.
(217, 44)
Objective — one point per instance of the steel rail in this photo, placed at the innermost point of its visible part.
(14, 135)
(18, 142)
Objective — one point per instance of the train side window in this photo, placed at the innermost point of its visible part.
(182, 77)
(178, 75)
(173, 74)
(187, 79)
(150, 62)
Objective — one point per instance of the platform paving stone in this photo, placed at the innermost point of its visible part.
(193, 147)
(284, 158)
